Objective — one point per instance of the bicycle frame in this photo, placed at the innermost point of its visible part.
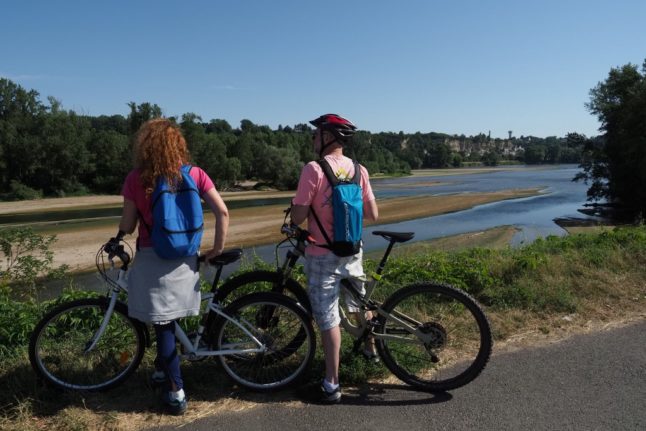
(191, 347)
(357, 331)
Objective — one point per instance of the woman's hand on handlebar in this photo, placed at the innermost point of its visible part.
(114, 248)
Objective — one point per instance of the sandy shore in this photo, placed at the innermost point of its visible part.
(248, 226)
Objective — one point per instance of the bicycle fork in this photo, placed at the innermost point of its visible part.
(120, 283)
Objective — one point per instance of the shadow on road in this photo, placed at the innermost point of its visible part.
(391, 395)
(373, 394)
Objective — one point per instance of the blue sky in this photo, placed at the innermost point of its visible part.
(453, 67)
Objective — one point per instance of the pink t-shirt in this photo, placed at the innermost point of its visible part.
(314, 190)
(134, 191)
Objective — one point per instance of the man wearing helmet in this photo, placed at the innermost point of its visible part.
(324, 269)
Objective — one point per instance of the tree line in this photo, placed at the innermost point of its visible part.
(614, 164)
(46, 150)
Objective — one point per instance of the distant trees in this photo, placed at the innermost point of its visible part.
(615, 164)
(46, 150)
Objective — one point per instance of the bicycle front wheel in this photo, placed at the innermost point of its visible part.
(434, 337)
(276, 321)
(58, 348)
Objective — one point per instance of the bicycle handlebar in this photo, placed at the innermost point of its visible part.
(119, 251)
(294, 231)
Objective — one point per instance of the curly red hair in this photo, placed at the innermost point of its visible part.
(160, 151)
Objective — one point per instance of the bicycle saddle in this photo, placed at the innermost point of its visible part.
(227, 257)
(395, 236)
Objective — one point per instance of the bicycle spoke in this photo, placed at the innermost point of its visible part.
(58, 348)
(277, 322)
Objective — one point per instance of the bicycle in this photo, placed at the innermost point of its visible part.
(93, 345)
(430, 335)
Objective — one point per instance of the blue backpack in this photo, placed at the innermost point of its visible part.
(178, 221)
(347, 209)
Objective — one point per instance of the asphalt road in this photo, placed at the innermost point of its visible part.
(587, 382)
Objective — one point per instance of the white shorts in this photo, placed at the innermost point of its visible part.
(324, 275)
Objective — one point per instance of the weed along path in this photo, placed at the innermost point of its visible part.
(592, 381)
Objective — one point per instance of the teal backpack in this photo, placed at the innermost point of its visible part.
(178, 222)
(347, 209)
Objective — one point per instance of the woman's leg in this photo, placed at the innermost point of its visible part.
(167, 359)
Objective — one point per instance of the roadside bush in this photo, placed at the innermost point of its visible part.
(468, 270)
(19, 191)
(27, 260)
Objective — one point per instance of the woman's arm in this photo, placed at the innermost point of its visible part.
(129, 214)
(219, 209)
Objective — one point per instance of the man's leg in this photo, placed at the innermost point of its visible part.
(331, 340)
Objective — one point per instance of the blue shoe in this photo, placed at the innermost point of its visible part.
(173, 406)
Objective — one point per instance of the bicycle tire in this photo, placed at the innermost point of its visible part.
(458, 337)
(57, 344)
(262, 281)
(277, 321)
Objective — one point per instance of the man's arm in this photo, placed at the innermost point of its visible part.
(299, 213)
(371, 212)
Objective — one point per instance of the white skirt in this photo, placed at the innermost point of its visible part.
(160, 290)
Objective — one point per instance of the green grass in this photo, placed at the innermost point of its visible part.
(599, 276)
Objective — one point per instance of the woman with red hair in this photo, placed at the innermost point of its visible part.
(164, 290)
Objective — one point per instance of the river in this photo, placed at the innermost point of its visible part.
(533, 217)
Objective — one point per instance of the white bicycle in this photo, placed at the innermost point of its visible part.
(264, 341)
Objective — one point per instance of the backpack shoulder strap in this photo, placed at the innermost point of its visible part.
(357, 173)
(188, 182)
(327, 171)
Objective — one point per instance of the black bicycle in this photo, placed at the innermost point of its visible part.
(430, 335)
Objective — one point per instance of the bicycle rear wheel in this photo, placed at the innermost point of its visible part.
(262, 281)
(454, 342)
(276, 321)
(57, 347)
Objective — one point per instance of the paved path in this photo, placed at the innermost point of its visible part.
(588, 382)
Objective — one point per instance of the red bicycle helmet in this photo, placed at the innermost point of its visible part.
(341, 128)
